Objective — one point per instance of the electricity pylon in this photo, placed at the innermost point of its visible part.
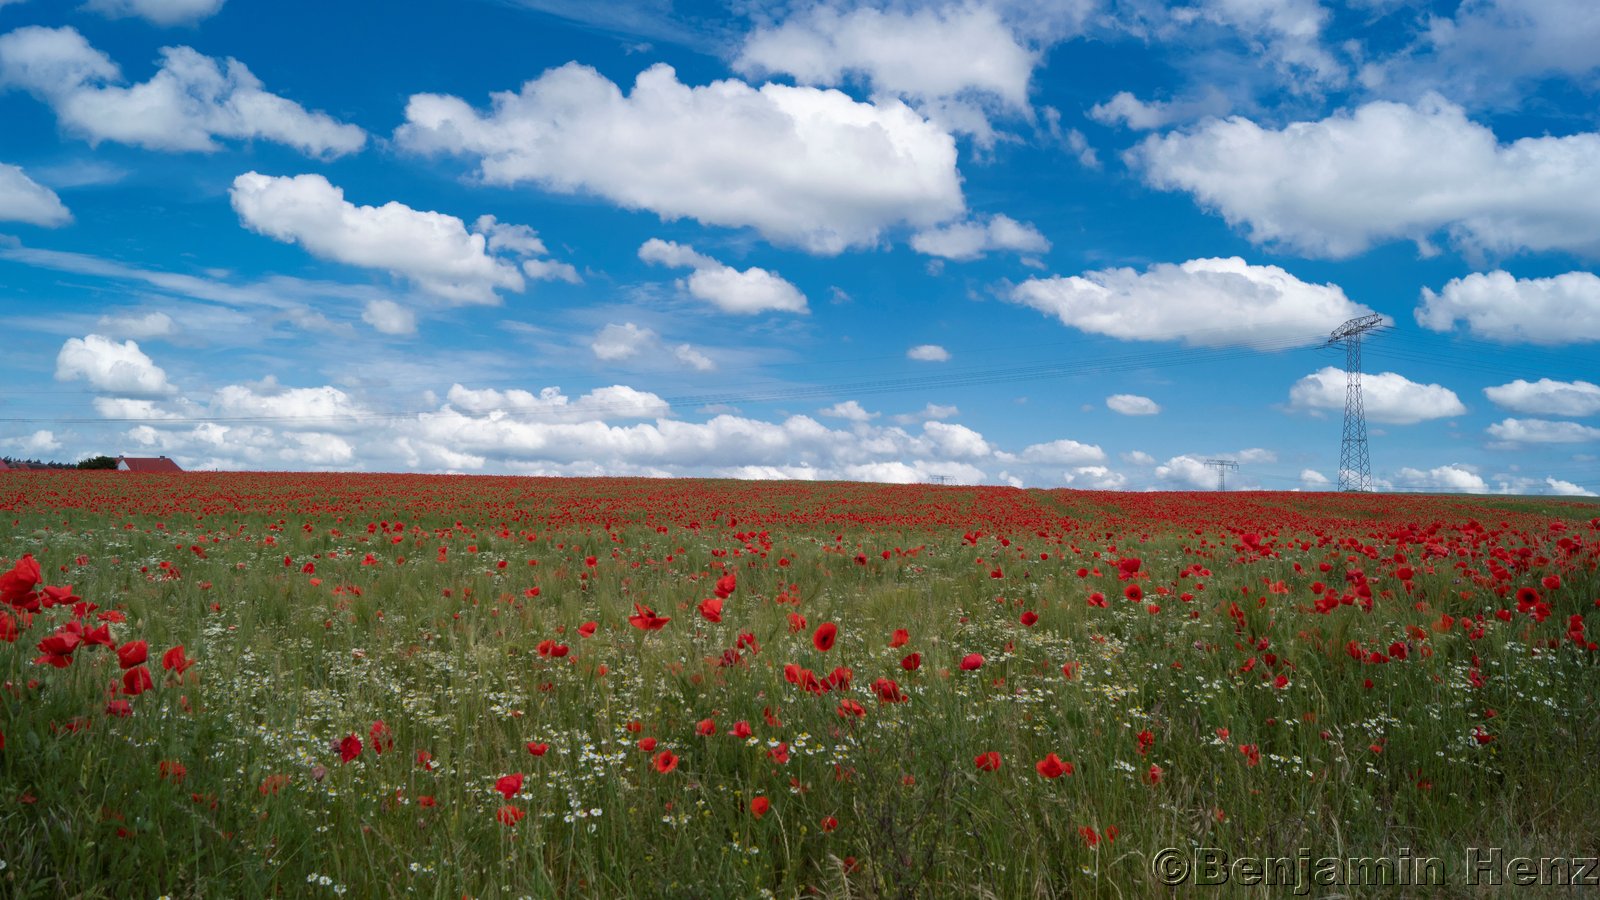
(1222, 466)
(1355, 469)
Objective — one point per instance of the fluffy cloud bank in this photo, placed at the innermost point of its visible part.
(972, 239)
(189, 103)
(1382, 172)
(159, 12)
(119, 369)
(433, 250)
(1547, 397)
(1203, 302)
(24, 200)
(754, 290)
(1387, 396)
(803, 166)
(1495, 305)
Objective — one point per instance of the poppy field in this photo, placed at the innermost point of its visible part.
(385, 685)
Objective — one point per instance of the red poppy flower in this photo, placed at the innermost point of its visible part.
(824, 636)
(17, 584)
(1029, 618)
(900, 638)
(888, 691)
(587, 629)
(911, 662)
(829, 823)
(850, 709)
(1052, 767)
(538, 749)
(174, 660)
(646, 619)
(711, 609)
(706, 727)
(509, 815)
(382, 737)
(509, 785)
(666, 761)
(972, 662)
(136, 681)
(1252, 755)
(725, 586)
(648, 745)
(741, 729)
(119, 708)
(1153, 775)
(987, 762)
(349, 748)
(759, 806)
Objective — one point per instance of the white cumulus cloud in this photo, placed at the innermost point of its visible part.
(849, 410)
(1564, 309)
(1547, 397)
(1448, 479)
(957, 63)
(433, 250)
(1567, 489)
(389, 317)
(1132, 405)
(973, 238)
(1386, 396)
(1203, 302)
(24, 200)
(928, 353)
(1381, 172)
(748, 292)
(160, 12)
(1063, 452)
(803, 166)
(1543, 431)
(121, 369)
(189, 103)
(621, 341)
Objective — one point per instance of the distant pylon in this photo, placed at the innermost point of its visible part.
(1355, 469)
(1222, 466)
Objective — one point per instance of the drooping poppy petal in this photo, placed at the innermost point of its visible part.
(136, 681)
(824, 636)
(645, 618)
(174, 660)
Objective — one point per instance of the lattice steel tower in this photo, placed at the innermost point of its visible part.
(1355, 469)
(1222, 466)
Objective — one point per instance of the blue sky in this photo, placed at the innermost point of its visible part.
(1088, 243)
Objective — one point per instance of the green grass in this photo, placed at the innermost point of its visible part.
(445, 653)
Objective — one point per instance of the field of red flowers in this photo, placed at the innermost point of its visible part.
(308, 685)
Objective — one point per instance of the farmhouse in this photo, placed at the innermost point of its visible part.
(147, 465)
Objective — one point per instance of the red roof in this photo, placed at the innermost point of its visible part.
(146, 464)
